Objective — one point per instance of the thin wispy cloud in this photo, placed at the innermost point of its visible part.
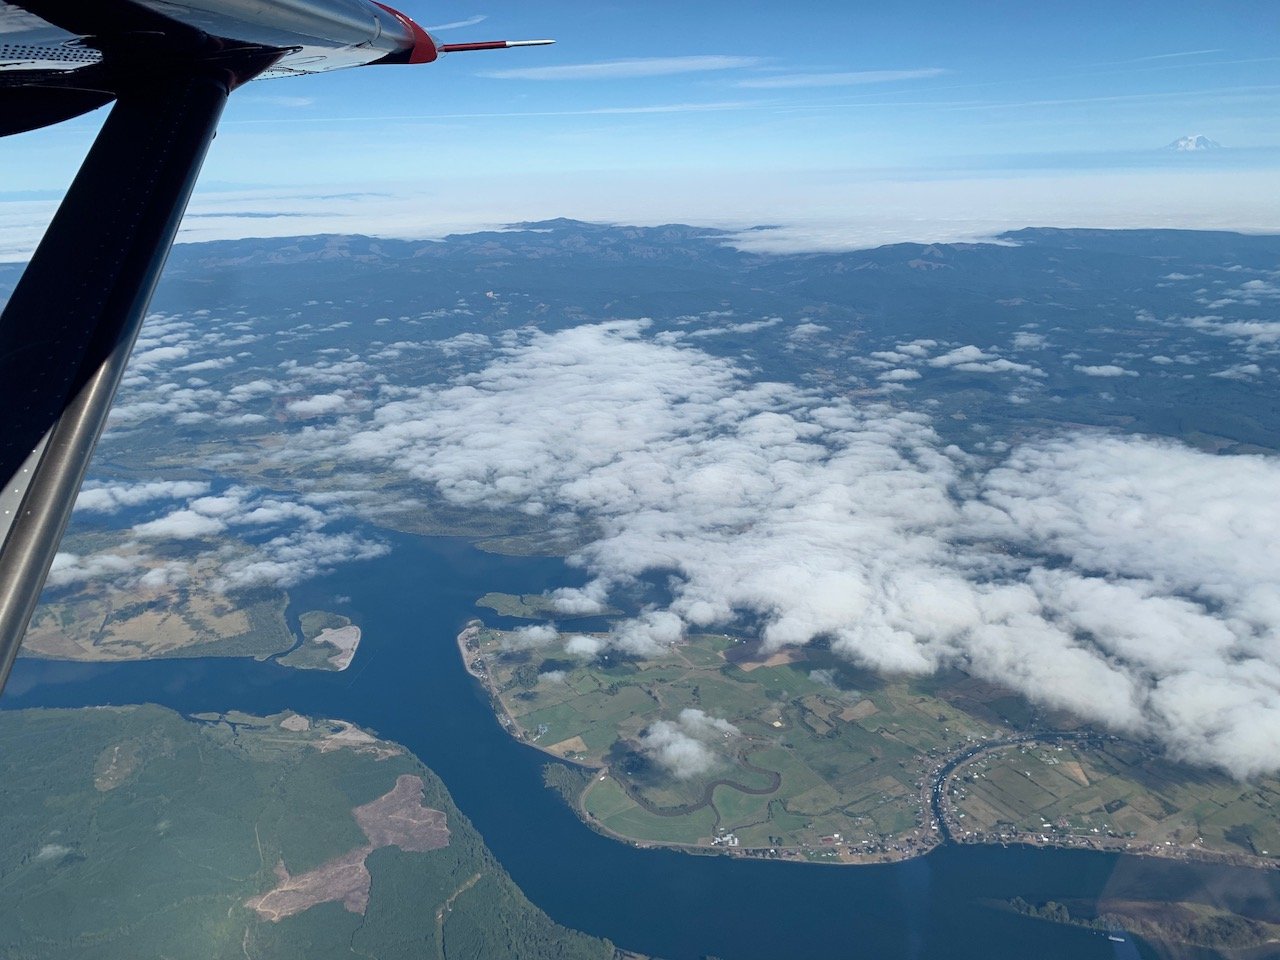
(844, 79)
(674, 108)
(1216, 95)
(1164, 63)
(710, 107)
(626, 69)
(279, 100)
(459, 24)
(1172, 56)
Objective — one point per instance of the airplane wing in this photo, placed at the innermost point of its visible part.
(70, 324)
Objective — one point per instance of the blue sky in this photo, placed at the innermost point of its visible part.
(711, 108)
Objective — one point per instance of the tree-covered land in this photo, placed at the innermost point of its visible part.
(133, 832)
(1195, 924)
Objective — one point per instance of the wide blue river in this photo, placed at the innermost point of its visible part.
(407, 683)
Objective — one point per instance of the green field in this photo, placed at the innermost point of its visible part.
(820, 749)
(131, 832)
(1117, 790)
(528, 606)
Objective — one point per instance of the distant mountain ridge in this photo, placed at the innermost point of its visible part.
(575, 245)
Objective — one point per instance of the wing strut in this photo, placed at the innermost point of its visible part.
(68, 329)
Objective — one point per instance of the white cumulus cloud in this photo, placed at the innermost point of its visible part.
(180, 525)
(532, 637)
(684, 747)
(113, 497)
(318, 406)
(1104, 370)
(1125, 579)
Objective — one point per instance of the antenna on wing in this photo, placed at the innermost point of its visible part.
(490, 45)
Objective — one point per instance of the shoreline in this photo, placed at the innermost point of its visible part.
(921, 846)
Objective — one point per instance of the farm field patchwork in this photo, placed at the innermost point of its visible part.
(798, 754)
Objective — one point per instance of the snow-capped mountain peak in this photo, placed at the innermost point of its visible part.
(1195, 142)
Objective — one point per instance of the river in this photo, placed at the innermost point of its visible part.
(408, 684)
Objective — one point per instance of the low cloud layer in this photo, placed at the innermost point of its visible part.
(686, 747)
(913, 360)
(248, 538)
(114, 497)
(532, 637)
(1125, 579)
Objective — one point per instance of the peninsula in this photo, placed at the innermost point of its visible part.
(718, 745)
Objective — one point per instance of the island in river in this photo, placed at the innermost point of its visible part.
(797, 754)
(131, 831)
(329, 642)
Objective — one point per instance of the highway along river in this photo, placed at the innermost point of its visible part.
(408, 684)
